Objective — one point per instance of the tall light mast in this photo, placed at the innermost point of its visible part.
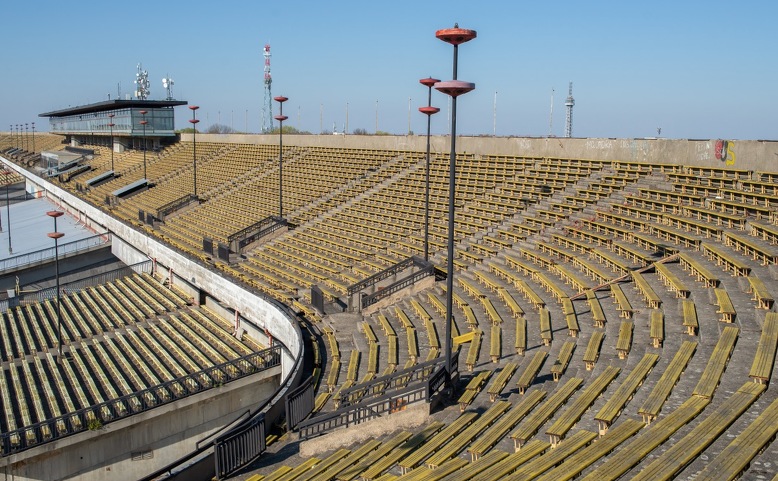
(569, 105)
(267, 106)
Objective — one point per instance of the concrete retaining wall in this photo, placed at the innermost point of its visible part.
(136, 446)
(738, 154)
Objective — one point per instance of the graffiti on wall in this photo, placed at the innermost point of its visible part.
(724, 150)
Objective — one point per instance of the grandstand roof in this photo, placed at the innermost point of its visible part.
(112, 105)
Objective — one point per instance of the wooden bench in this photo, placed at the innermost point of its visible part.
(521, 336)
(759, 292)
(657, 328)
(592, 352)
(690, 317)
(473, 350)
(502, 379)
(670, 280)
(711, 376)
(516, 310)
(764, 359)
(624, 341)
(544, 412)
(573, 414)
(725, 259)
(492, 436)
(545, 326)
(413, 346)
(622, 303)
(531, 371)
(407, 447)
(437, 441)
(594, 305)
(652, 300)
(495, 343)
(698, 270)
(658, 395)
(571, 318)
(473, 388)
(563, 359)
(624, 393)
(726, 309)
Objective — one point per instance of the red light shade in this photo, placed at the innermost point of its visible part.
(429, 81)
(111, 125)
(54, 213)
(144, 112)
(111, 115)
(56, 235)
(280, 118)
(280, 98)
(193, 121)
(455, 35)
(454, 88)
(193, 107)
(429, 110)
(144, 122)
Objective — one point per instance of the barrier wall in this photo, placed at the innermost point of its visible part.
(738, 154)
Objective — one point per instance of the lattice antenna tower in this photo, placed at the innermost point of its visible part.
(143, 89)
(569, 105)
(167, 84)
(267, 105)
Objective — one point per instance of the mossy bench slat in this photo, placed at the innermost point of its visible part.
(563, 359)
(531, 371)
(711, 376)
(726, 308)
(764, 359)
(623, 394)
(658, 395)
(592, 352)
(505, 424)
(690, 321)
(543, 413)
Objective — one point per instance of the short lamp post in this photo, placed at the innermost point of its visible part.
(56, 236)
(280, 117)
(33, 137)
(11, 129)
(26, 137)
(453, 88)
(194, 122)
(111, 126)
(143, 123)
(429, 111)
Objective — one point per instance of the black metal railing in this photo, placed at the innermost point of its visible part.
(81, 284)
(94, 417)
(174, 205)
(23, 260)
(384, 274)
(240, 447)
(395, 380)
(299, 403)
(401, 284)
(246, 236)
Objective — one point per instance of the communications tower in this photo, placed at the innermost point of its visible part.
(569, 119)
(267, 106)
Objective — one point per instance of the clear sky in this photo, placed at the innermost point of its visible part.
(697, 69)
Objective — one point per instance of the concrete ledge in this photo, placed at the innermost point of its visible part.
(412, 417)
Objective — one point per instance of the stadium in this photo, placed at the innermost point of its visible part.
(296, 307)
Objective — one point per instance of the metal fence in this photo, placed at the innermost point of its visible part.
(22, 260)
(175, 205)
(299, 403)
(94, 417)
(239, 448)
(401, 284)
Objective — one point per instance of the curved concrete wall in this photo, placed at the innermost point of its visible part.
(738, 154)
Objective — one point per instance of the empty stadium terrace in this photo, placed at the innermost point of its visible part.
(614, 306)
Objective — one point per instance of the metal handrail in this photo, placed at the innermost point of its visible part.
(22, 260)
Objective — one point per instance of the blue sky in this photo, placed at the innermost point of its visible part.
(696, 69)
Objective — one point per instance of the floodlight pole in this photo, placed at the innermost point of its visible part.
(33, 137)
(143, 123)
(453, 88)
(194, 122)
(429, 111)
(280, 117)
(56, 236)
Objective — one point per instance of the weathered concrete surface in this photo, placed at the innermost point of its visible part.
(412, 417)
(739, 154)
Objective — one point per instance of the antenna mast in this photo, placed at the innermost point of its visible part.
(142, 81)
(569, 105)
(267, 106)
(167, 84)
